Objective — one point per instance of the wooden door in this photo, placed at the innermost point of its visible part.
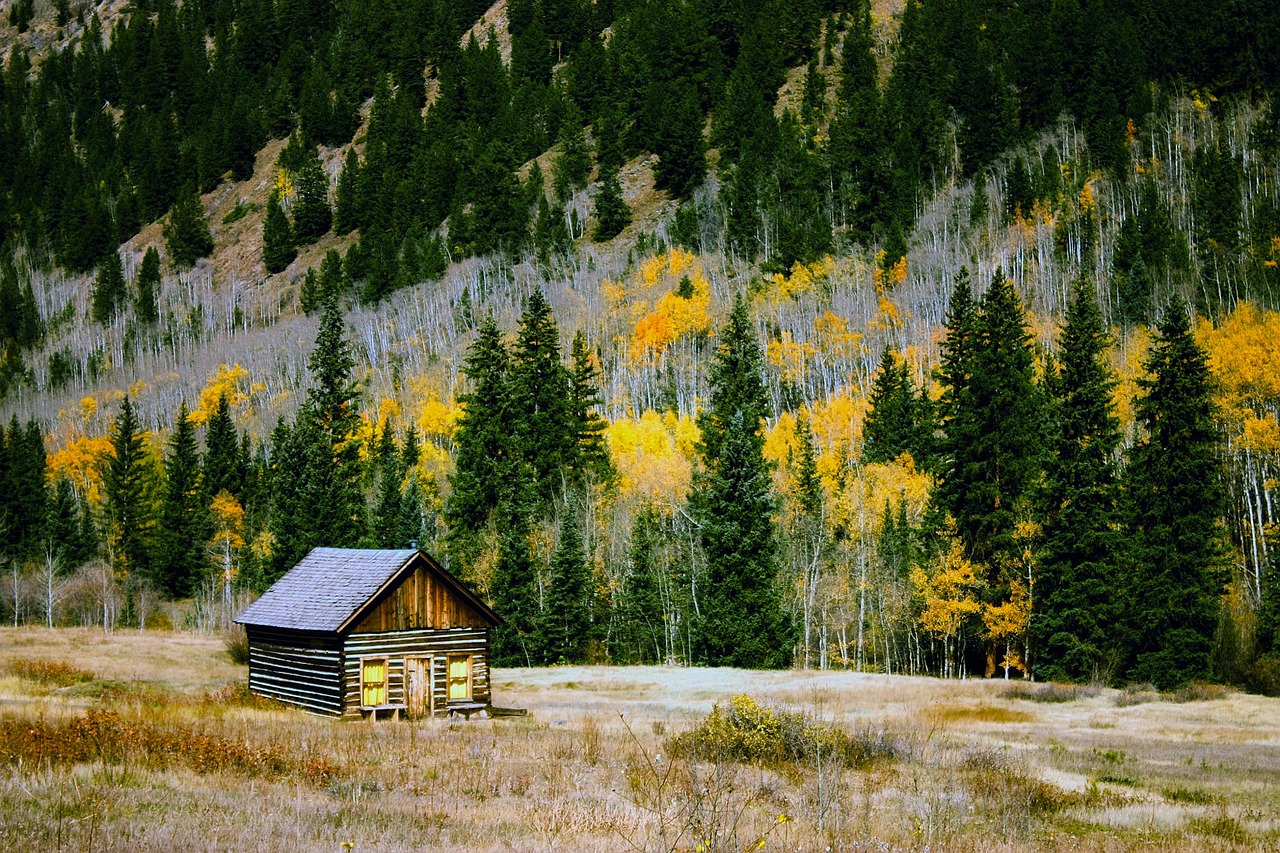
(418, 687)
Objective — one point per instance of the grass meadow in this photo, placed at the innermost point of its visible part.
(149, 741)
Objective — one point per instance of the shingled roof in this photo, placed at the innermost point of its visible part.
(331, 585)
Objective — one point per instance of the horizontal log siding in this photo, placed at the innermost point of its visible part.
(300, 668)
(395, 646)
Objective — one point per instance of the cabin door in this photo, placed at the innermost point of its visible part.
(418, 687)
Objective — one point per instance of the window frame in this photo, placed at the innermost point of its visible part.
(449, 679)
(385, 684)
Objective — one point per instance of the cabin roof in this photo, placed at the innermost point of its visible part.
(331, 586)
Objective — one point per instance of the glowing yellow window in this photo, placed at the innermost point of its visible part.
(373, 682)
(459, 677)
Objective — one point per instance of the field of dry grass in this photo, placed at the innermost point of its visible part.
(149, 742)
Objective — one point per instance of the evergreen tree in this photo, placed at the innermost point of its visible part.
(680, 148)
(388, 516)
(589, 454)
(331, 411)
(890, 428)
(573, 165)
(611, 210)
(348, 213)
(743, 623)
(109, 290)
(1173, 508)
(278, 248)
(1075, 605)
(544, 434)
(566, 613)
(184, 523)
(146, 309)
(515, 582)
(126, 491)
(483, 439)
(186, 234)
(223, 462)
(312, 217)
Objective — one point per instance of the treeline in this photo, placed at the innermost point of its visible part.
(1017, 532)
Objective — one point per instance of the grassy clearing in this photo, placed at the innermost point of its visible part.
(150, 742)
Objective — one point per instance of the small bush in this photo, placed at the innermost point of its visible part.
(1264, 676)
(1001, 786)
(748, 731)
(1198, 691)
(1137, 694)
(49, 673)
(1053, 692)
(237, 645)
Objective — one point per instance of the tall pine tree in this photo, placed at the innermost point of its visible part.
(743, 623)
(1173, 507)
(184, 522)
(1075, 607)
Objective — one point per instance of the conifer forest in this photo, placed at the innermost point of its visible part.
(904, 336)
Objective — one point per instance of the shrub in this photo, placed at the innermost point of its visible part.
(1053, 692)
(236, 644)
(1264, 676)
(49, 673)
(748, 731)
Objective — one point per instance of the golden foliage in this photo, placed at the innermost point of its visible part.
(674, 315)
(232, 380)
(948, 591)
(653, 455)
(79, 460)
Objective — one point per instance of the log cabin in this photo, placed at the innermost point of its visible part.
(355, 633)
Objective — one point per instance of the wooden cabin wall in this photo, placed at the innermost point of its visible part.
(395, 646)
(420, 600)
(300, 668)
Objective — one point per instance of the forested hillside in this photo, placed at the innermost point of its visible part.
(935, 336)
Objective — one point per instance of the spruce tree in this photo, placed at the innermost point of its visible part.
(483, 439)
(743, 623)
(890, 428)
(1173, 508)
(387, 516)
(331, 413)
(590, 456)
(573, 165)
(611, 210)
(223, 463)
(544, 433)
(145, 308)
(278, 249)
(566, 614)
(641, 635)
(1076, 605)
(312, 216)
(126, 490)
(184, 522)
(109, 291)
(514, 586)
(348, 212)
(186, 233)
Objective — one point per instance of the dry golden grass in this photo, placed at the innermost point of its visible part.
(149, 741)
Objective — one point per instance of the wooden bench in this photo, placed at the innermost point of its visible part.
(394, 709)
(466, 710)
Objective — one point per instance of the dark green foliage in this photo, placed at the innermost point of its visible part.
(145, 308)
(611, 210)
(109, 290)
(514, 585)
(545, 434)
(1173, 508)
(566, 614)
(483, 439)
(588, 457)
(993, 424)
(1216, 199)
(184, 526)
(66, 530)
(743, 623)
(572, 167)
(678, 143)
(388, 514)
(895, 424)
(223, 465)
(348, 210)
(126, 489)
(186, 234)
(312, 216)
(278, 246)
(24, 503)
(1076, 606)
